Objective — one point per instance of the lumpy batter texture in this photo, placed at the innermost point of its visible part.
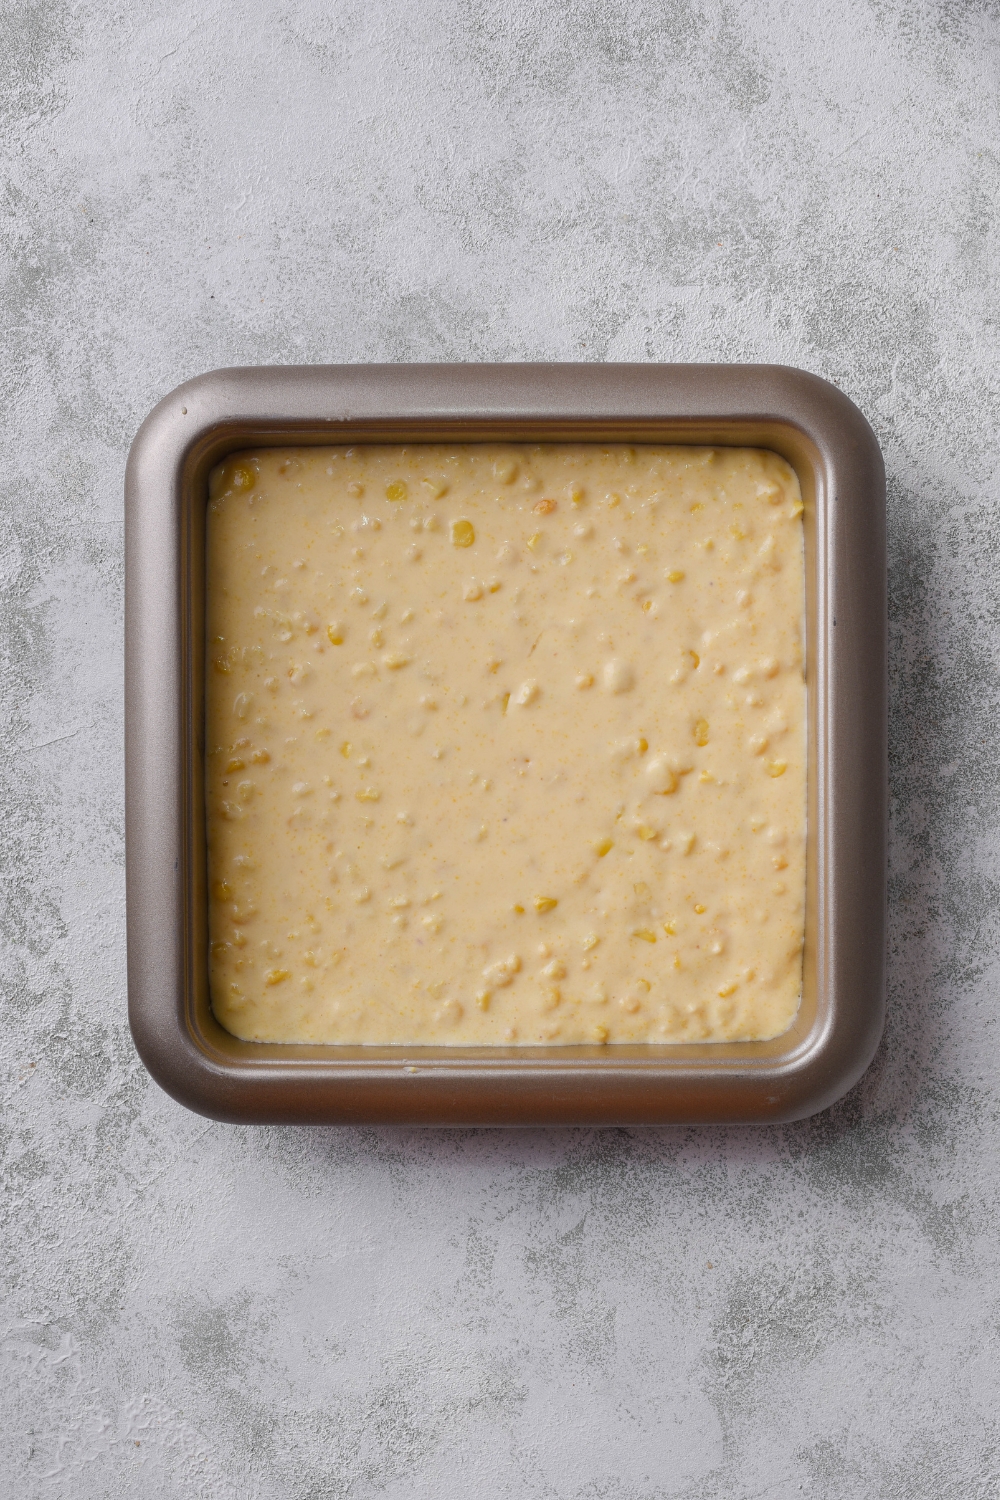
(506, 744)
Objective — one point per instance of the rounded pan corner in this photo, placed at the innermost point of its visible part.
(181, 419)
(837, 429)
(170, 1057)
(821, 1074)
(826, 404)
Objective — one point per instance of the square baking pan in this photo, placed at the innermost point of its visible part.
(839, 1022)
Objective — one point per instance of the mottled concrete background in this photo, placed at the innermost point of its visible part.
(192, 1310)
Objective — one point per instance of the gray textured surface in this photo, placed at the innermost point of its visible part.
(191, 1310)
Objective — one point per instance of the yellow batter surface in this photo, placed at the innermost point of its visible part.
(506, 744)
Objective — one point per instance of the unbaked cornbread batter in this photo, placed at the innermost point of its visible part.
(505, 744)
